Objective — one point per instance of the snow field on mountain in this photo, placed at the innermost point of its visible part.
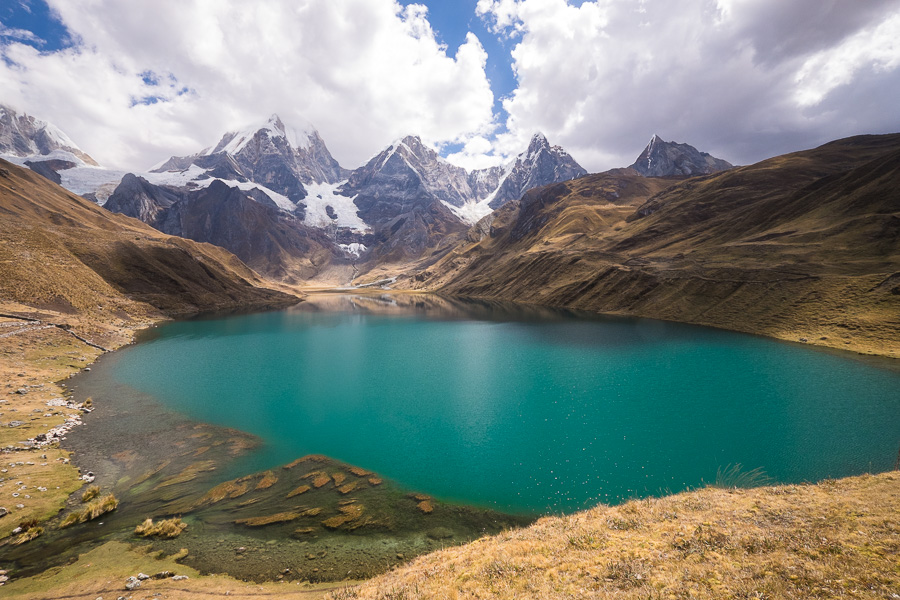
(321, 195)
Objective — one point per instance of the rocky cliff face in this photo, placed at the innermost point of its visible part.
(136, 197)
(665, 159)
(245, 222)
(409, 173)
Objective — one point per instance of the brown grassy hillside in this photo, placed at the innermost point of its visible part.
(838, 539)
(803, 246)
(60, 252)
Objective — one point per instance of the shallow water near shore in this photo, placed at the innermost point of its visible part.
(520, 409)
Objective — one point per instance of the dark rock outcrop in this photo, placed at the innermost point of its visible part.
(138, 198)
(246, 223)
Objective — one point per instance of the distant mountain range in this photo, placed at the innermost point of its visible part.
(275, 196)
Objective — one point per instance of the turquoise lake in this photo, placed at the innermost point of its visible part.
(515, 408)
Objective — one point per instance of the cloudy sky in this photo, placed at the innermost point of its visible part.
(135, 81)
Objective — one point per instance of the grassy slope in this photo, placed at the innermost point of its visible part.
(838, 539)
(63, 253)
(805, 245)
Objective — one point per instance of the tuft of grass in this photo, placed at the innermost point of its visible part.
(734, 476)
(90, 493)
(166, 529)
(91, 511)
(27, 535)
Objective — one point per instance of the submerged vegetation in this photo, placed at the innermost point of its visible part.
(166, 529)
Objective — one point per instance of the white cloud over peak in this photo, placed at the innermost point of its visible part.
(149, 78)
(742, 79)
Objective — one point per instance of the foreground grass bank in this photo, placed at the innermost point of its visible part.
(837, 539)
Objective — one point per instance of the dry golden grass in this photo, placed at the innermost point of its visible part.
(835, 539)
(102, 572)
(90, 493)
(91, 511)
(166, 529)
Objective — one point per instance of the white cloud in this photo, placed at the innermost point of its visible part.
(363, 71)
(743, 79)
(877, 48)
(19, 34)
(477, 153)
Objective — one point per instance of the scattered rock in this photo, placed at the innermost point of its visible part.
(132, 583)
(179, 577)
(143, 576)
(3, 511)
(163, 575)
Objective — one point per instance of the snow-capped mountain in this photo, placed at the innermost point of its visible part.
(405, 201)
(282, 158)
(664, 159)
(408, 172)
(541, 164)
(291, 165)
(25, 137)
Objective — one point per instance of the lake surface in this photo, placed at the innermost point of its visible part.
(515, 408)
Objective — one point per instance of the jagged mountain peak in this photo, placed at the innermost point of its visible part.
(298, 137)
(24, 136)
(663, 159)
(281, 156)
(538, 139)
